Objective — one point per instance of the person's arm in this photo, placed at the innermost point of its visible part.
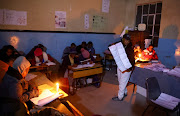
(18, 92)
(50, 58)
(33, 61)
(154, 57)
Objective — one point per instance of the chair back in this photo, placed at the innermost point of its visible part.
(153, 89)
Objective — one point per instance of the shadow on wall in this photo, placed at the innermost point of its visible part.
(170, 32)
(167, 46)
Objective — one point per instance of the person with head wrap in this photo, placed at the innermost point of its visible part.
(41, 58)
(86, 55)
(15, 86)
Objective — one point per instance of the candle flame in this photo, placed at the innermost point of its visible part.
(139, 55)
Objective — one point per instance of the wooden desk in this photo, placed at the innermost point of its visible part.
(83, 72)
(60, 104)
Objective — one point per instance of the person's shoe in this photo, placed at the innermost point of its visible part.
(117, 99)
(125, 94)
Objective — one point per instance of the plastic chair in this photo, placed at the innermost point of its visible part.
(154, 97)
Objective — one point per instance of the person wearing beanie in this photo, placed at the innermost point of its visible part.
(123, 77)
(40, 58)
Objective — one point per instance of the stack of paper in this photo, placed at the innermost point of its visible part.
(120, 56)
(167, 101)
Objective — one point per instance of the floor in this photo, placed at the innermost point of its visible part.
(97, 101)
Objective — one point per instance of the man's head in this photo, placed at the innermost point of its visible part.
(126, 39)
(73, 46)
(151, 47)
(83, 44)
(90, 44)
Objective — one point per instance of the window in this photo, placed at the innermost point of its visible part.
(150, 14)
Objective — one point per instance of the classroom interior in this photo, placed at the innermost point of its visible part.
(86, 21)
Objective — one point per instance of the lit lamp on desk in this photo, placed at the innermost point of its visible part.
(57, 87)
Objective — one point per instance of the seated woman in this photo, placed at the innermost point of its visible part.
(69, 62)
(8, 51)
(149, 53)
(90, 48)
(14, 85)
(137, 51)
(41, 58)
(85, 55)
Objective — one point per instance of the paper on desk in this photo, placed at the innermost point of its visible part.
(175, 72)
(50, 63)
(84, 65)
(45, 97)
(30, 76)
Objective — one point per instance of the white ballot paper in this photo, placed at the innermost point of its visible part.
(120, 56)
(46, 96)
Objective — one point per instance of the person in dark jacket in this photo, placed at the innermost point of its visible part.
(69, 62)
(123, 77)
(14, 85)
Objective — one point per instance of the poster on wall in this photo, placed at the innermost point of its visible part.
(1, 16)
(99, 22)
(60, 19)
(105, 6)
(12, 17)
(86, 21)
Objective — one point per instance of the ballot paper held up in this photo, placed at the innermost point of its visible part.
(120, 56)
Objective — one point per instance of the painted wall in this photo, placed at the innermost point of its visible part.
(55, 42)
(41, 13)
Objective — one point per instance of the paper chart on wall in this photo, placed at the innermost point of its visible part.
(1, 16)
(60, 19)
(105, 6)
(12, 17)
(86, 21)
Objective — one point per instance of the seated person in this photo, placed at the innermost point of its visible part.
(137, 51)
(69, 62)
(41, 58)
(30, 55)
(83, 45)
(15, 86)
(90, 48)
(5, 62)
(68, 49)
(149, 53)
(85, 55)
(8, 51)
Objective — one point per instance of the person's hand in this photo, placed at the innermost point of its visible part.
(91, 62)
(35, 92)
(74, 65)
